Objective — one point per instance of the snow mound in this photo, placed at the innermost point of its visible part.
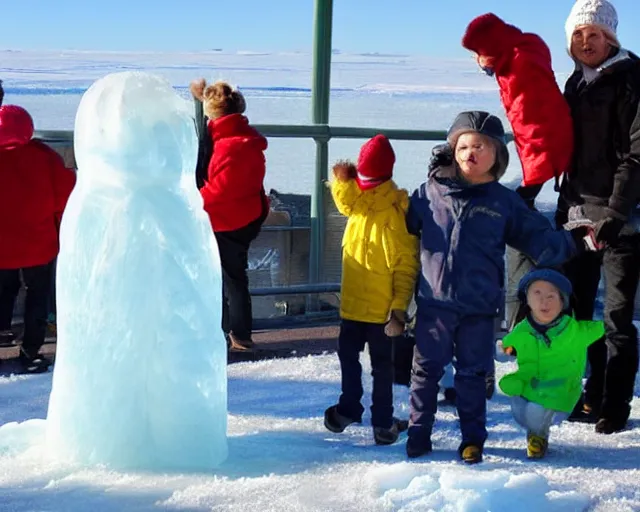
(407, 487)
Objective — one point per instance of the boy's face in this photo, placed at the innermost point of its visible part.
(545, 301)
(475, 155)
(589, 44)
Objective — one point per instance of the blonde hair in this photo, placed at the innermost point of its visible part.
(218, 99)
(611, 38)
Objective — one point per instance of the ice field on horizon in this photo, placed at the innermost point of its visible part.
(369, 90)
(282, 459)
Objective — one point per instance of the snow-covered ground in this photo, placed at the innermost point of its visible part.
(282, 458)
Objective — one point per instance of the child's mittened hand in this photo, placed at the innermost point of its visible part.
(344, 170)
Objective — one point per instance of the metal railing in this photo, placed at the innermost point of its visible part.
(320, 133)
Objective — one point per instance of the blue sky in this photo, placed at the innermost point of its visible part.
(398, 26)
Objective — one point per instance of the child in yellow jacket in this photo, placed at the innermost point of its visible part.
(379, 268)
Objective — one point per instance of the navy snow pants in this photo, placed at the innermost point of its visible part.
(440, 335)
(352, 339)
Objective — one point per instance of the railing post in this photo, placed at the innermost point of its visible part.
(320, 93)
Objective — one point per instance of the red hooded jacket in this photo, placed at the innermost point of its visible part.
(538, 113)
(34, 188)
(234, 193)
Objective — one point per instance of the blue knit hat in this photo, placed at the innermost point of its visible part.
(550, 276)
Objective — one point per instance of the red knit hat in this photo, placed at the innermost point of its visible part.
(16, 126)
(375, 163)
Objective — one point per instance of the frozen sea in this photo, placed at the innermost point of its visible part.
(369, 90)
(281, 457)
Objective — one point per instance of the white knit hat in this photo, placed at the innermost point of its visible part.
(592, 12)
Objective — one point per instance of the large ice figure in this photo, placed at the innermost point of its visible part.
(140, 374)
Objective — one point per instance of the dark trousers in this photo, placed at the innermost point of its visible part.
(37, 281)
(52, 292)
(440, 335)
(352, 339)
(614, 359)
(234, 258)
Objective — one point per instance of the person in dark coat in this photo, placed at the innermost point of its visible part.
(1, 93)
(464, 219)
(603, 186)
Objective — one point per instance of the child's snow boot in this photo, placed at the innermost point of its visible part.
(336, 422)
(385, 436)
(418, 447)
(536, 446)
(470, 453)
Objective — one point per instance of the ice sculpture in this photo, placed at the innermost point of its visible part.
(140, 375)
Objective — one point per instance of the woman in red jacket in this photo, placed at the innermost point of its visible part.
(34, 188)
(234, 198)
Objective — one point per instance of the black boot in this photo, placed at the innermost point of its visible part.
(336, 422)
(610, 426)
(385, 436)
(417, 447)
(583, 413)
(37, 364)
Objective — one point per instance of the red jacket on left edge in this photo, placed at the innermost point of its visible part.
(34, 188)
(234, 193)
(538, 113)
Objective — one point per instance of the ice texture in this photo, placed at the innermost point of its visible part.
(140, 376)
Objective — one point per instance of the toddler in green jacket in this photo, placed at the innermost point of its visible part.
(551, 350)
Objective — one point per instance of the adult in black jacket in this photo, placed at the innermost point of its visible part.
(1, 93)
(604, 187)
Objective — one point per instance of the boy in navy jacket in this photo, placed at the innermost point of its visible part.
(464, 219)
